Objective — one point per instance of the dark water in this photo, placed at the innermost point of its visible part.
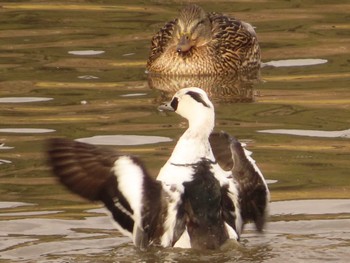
(77, 69)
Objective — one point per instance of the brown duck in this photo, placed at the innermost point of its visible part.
(204, 43)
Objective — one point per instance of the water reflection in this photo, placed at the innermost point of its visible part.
(220, 88)
(295, 62)
(3, 147)
(25, 130)
(27, 214)
(303, 93)
(93, 238)
(23, 99)
(3, 161)
(310, 207)
(133, 95)
(38, 239)
(123, 139)
(271, 181)
(86, 52)
(310, 133)
(4, 205)
(88, 77)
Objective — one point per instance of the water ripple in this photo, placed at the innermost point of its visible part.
(23, 99)
(295, 62)
(310, 133)
(124, 139)
(86, 52)
(25, 130)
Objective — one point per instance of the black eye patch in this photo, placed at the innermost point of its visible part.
(174, 103)
(197, 97)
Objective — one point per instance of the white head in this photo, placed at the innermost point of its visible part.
(194, 105)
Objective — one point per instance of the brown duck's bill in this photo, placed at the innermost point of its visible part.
(184, 44)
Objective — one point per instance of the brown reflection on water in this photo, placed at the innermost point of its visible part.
(226, 88)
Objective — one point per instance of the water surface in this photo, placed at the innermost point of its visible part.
(76, 69)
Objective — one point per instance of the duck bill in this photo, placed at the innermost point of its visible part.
(184, 44)
(166, 106)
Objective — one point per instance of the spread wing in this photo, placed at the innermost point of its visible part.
(138, 203)
(253, 190)
(160, 41)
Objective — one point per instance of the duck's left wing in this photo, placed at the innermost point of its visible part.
(238, 40)
(160, 41)
(253, 190)
(138, 203)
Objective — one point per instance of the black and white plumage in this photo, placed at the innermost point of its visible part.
(204, 194)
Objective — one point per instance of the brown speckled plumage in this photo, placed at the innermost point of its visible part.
(204, 43)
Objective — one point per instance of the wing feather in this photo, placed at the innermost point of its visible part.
(137, 202)
(253, 190)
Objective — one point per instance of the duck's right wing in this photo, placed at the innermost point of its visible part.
(139, 204)
(253, 190)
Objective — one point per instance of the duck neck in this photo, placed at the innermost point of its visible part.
(199, 129)
(194, 143)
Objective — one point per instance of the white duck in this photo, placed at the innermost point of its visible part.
(204, 194)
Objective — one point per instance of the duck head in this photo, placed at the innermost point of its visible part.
(193, 28)
(194, 105)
